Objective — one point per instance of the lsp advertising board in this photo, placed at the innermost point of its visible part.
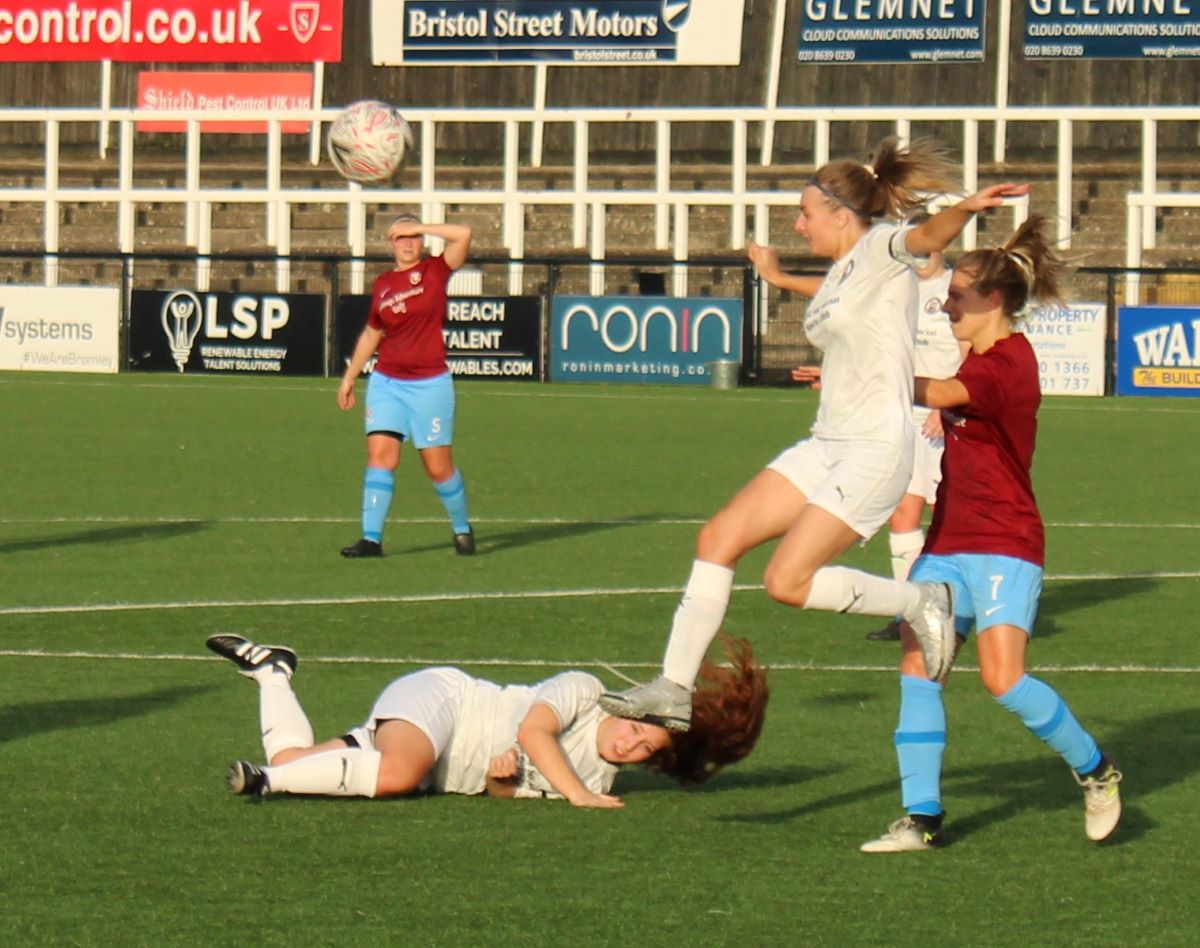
(664, 340)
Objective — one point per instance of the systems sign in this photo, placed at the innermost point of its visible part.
(642, 338)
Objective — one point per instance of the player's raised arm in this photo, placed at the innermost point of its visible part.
(538, 737)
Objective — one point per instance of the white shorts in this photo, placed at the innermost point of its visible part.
(858, 482)
(429, 699)
(927, 467)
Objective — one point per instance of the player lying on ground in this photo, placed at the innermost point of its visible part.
(444, 731)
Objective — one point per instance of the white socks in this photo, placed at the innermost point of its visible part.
(841, 589)
(347, 772)
(906, 547)
(284, 723)
(697, 621)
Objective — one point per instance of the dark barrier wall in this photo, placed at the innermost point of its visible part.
(1094, 82)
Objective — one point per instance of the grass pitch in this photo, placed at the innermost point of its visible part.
(142, 514)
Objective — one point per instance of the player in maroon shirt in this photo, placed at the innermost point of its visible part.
(986, 541)
(411, 392)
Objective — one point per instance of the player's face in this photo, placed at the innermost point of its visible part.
(621, 741)
(818, 223)
(968, 309)
(406, 250)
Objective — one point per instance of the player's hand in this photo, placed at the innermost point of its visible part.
(505, 766)
(765, 259)
(808, 375)
(932, 429)
(345, 395)
(993, 196)
(599, 801)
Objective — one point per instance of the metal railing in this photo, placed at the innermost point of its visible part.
(749, 208)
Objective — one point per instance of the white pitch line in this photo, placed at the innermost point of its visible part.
(418, 598)
(560, 663)
(534, 521)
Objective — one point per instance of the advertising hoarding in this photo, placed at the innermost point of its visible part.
(1069, 342)
(891, 31)
(1158, 350)
(257, 333)
(557, 32)
(172, 31)
(59, 329)
(224, 92)
(664, 340)
(487, 337)
(1112, 29)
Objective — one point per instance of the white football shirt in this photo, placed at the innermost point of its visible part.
(487, 726)
(864, 319)
(937, 354)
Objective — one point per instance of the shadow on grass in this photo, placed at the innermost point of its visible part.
(489, 541)
(1154, 753)
(44, 717)
(128, 533)
(1059, 598)
(639, 780)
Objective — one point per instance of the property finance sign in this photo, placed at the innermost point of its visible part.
(263, 334)
(1112, 29)
(1158, 350)
(487, 337)
(891, 31)
(1069, 343)
(642, 338)
(576, 32)
(172, 31)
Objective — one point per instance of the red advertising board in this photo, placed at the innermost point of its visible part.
(171, 31)
(224, 92)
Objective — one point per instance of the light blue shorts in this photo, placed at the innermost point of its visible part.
(420, 411)
(990, 590)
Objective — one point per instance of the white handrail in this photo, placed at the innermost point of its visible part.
(671, 203)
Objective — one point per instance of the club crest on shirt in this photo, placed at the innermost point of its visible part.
(415, 277)
(933, 305)
(846, 273)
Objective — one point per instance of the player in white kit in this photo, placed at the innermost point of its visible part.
(840, 485)
(937, 355)
(442, 730)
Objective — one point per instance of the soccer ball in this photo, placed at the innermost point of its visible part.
(367, 141)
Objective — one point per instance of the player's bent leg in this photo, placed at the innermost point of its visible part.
(408, 757)
(815, 537)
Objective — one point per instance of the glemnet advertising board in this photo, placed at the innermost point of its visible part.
(1069, 342)
(487, 337)
(642, 338)
(172, 31)
(59, 329)
(256, 333)
(557, 32)
(891, 31)
(1112, 29)
(1158, 350)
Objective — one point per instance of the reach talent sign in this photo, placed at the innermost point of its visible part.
(487, 337)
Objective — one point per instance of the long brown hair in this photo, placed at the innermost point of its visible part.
(894, 183)
(728, 708)
(1025, 267)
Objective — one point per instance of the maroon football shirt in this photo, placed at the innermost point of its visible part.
(410, 307)
(985, 502)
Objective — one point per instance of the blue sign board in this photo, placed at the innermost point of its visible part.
(891, 31)
(1112, 29)
(642, 338)
(578, 32)
(1158, 350)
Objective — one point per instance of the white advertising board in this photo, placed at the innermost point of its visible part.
(59, 329)
(1069, 342)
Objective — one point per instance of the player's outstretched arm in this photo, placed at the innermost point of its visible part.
(766, 262)
(939, 231)
(940, 393)
(538, 737)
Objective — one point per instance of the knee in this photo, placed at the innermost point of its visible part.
(788, 588)
(718, 544)
(397, 778)
(999, 682)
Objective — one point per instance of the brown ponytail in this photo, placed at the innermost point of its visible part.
(894, 183)
(1025, 267)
